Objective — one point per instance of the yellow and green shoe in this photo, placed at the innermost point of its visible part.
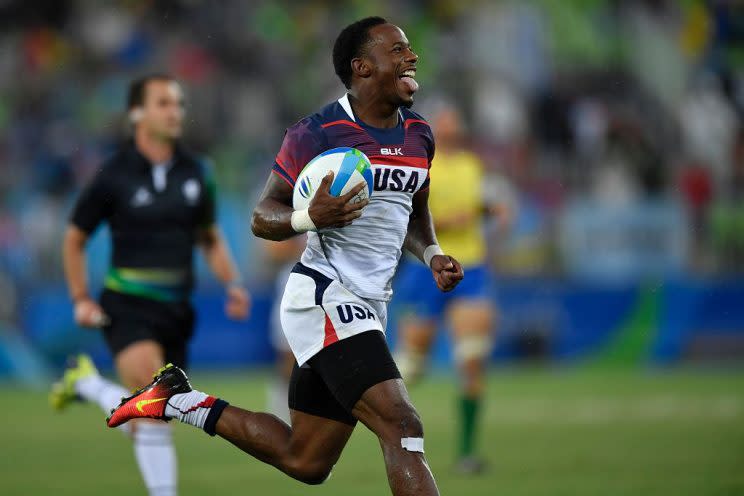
(63, 391)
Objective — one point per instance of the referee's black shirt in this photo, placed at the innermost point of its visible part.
(154, 221)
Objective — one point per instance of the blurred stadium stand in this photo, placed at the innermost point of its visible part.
(614, 126)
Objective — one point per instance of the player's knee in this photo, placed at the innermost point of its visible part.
(473, 347)
(402, 421)
(141, 377)
(404, 429)
(411, 425)
(309, 472)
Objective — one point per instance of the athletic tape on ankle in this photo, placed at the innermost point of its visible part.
(413, 444)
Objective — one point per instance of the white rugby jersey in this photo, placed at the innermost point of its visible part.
(363, 256)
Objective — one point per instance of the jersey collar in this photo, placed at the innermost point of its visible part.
(179, 153)
(346, 105)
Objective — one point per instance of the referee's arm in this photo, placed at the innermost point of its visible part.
(92, 207)
(220, 261)
(74, 261)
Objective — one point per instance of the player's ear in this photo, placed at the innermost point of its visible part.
(361, 67)
(135, 115)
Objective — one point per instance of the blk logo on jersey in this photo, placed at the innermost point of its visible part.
(347, 313)
(396, 180)
(391, 151)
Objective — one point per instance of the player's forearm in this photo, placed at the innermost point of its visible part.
(74, 263)
(420, 234)
(272, 220)
(219, 258)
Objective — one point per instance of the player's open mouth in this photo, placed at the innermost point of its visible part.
(407, 77)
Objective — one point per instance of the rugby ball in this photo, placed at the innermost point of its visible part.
(350, 167)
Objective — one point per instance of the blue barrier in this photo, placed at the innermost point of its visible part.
(575, 320)
(696, 308)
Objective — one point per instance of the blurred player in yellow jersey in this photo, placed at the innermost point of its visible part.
(458, 209)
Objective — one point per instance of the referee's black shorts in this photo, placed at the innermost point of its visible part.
(334, 379)
(134, 319)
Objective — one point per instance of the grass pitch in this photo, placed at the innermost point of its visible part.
(551, 433)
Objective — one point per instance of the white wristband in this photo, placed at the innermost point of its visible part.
(430, 252)
(301, 221)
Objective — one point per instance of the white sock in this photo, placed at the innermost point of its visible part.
(277, 394)
(156, 457)
(105, 393)
(190, 408)
(95, 388)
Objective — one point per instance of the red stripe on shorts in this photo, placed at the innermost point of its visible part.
(330, 332)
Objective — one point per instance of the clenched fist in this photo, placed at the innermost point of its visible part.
(447, 272)
(88, 313)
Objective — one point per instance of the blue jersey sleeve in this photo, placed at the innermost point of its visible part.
(302, 142)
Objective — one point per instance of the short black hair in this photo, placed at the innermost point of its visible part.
(136, 92)
(349, 45)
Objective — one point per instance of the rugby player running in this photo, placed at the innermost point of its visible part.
(334, 307)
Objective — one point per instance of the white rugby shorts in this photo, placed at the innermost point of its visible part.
(317, 311)
(277, 338)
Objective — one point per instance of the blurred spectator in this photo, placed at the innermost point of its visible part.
(620, 101)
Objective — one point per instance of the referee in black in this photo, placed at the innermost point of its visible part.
(159, 202)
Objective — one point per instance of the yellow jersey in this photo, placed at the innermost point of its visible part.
(455, 200)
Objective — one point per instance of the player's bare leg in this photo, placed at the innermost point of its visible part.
(471, 322)
(307, 451)
(388, 412)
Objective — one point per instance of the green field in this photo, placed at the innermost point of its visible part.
(546, 433)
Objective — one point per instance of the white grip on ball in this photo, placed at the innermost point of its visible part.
(301, 221)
